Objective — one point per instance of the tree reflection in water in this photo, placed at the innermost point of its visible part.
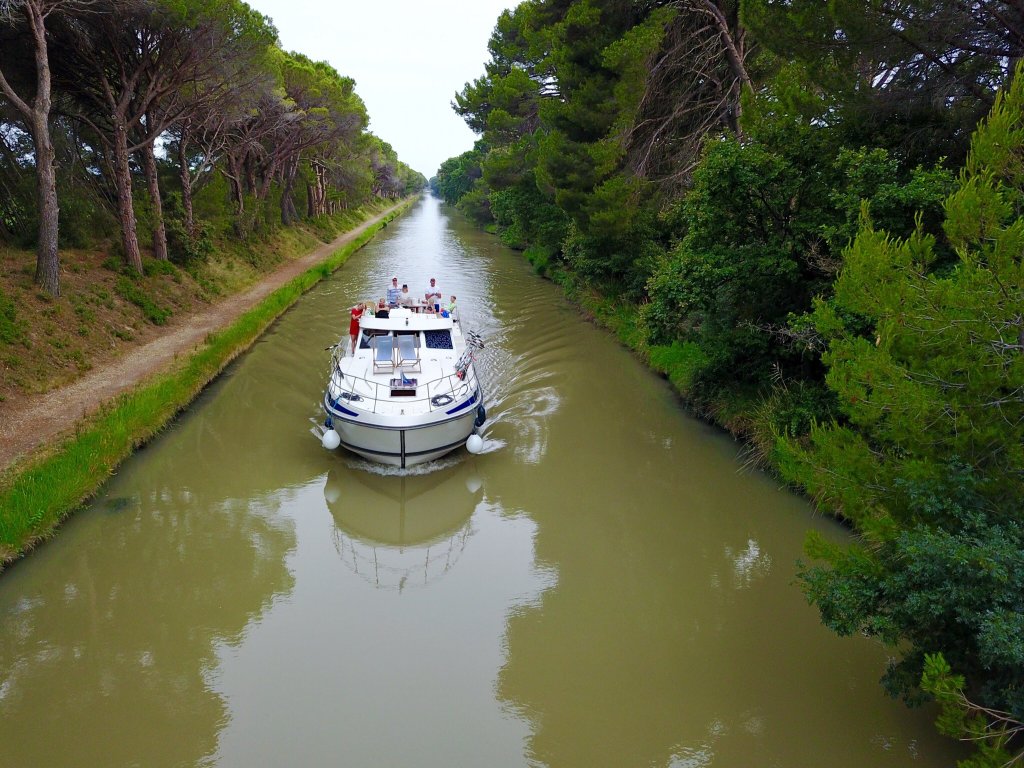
(125, 625)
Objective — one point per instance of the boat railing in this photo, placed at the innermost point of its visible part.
(440, 393)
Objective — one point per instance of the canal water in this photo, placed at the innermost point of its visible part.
(606, 585)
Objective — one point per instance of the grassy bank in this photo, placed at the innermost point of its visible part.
(37, 495)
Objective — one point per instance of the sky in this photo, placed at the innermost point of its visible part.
(408, 58)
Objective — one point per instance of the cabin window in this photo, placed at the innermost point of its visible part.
(438, 339)
(367, 336)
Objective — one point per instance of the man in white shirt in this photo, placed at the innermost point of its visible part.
(433, 295)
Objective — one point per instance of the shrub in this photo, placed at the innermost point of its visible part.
(136, 295)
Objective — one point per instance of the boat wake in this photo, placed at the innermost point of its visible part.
(388, 470)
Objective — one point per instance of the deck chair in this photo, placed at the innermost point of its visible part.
(383, 354)
(408, 357)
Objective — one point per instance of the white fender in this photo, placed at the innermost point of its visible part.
(331, 440)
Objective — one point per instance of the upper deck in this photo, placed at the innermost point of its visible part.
(402, 319)
(427, 350)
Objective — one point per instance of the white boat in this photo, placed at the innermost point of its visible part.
(409, 393)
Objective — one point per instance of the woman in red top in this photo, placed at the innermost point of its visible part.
(353, 326)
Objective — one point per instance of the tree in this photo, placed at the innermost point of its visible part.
(914, 76)
(334, 118)
(35, 110)
(137, 69)
(456, 176)
(217, 55)
(691, 89)
(927, 363)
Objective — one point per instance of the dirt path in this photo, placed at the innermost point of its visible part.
(29, 423)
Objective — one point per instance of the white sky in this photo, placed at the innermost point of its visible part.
(408, 58)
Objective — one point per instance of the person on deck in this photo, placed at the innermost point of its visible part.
(405, 298)
(382, 308)
(353, 325)
(394, 293)
(433, 295)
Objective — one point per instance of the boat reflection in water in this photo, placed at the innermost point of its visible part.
(399, 531)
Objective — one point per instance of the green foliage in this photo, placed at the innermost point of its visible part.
(929, 459)
(873, 182)
(933, 67)
(681, 362)
(955, 583)
(562, 85)
(12, 331)
(84, 219)
(622, 262)
(476, 205)
(961, 719)
(793, 410)
(184, 248)
(540, 258)
(760, 233)
(939, 374)
(743, 261)
(152, 267)
(457, 176)
(126, 288)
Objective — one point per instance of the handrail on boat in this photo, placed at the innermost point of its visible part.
(366, 390)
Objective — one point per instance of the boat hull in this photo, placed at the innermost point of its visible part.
(408, 393)
(403, 445)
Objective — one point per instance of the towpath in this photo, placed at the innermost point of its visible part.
(28, 423)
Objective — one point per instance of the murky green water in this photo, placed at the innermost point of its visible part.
(605, 586)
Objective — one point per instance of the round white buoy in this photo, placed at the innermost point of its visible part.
(331, 440)
(475, 444)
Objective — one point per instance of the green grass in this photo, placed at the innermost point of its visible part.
(37, 496)
(134, 293)
(681, 362)
(12, 331)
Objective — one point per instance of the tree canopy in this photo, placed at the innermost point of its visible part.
(787, 199)
(205, 82)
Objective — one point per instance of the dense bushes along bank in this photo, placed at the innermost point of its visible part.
(42, 492)
(784, 210)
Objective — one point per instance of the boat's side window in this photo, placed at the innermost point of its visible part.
(367, 336)
(438, 339)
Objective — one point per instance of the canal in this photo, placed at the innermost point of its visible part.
(606, 585)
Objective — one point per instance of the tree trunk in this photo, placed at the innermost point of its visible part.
(153, 184)
(234, 175)
(36, 112)
(288, 212)
(263, 190)
(186, 185)
(47, 254)
(125, 208)
(310, 208)
(250, 178)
